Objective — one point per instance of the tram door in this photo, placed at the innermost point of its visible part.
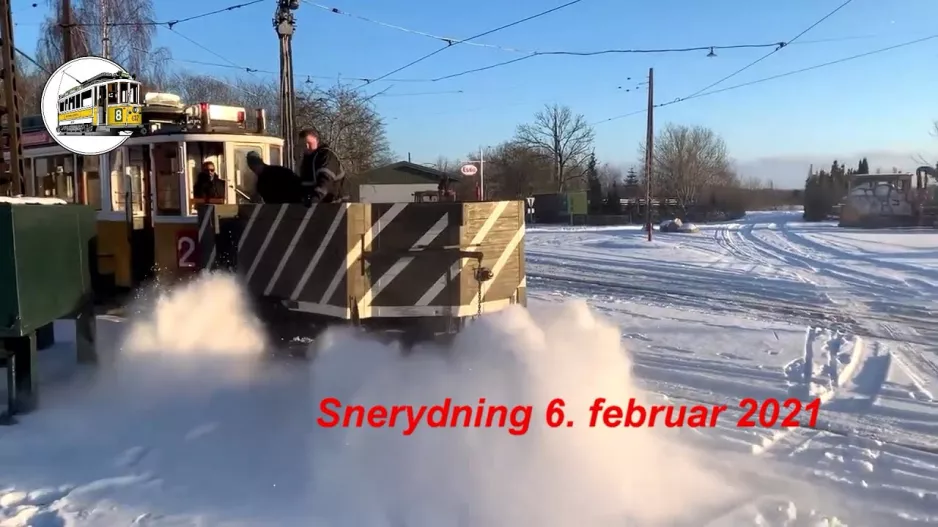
(140, 226)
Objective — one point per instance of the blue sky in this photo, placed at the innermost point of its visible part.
(880, 103)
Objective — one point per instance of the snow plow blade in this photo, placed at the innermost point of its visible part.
(417, 270)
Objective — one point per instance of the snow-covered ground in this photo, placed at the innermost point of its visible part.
(185, 423)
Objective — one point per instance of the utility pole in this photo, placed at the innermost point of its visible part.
(11, 103)
(68, 53)
(105, 31)
(285, 25)
(649, 148)
(481, 174)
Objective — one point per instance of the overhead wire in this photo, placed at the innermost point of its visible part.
(602, 52)
(169, 23)
(480, 35)
(510, 49)
(774, 77)
(773, 52)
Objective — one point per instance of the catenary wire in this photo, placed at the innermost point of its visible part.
(774, 51)
(480, 35)
(169, 23)
(774, 77)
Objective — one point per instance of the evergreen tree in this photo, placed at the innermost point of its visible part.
(631, 179)
(864, 167)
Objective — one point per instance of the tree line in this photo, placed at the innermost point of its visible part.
(553, 153)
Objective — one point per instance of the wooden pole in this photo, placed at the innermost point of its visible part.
(68, 53)
(11, 104)
(649, 149)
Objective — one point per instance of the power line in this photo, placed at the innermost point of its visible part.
(774, 77)
(480, 35)
(605, 52)
(769, 54)
(168, 23)
(449, 40)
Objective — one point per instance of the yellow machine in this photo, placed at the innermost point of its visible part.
(106, 104)
(147, 221)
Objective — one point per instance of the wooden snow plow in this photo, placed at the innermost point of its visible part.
(417, 269)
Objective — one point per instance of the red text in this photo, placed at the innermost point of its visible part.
(516, 419)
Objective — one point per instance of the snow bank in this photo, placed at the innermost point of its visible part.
(32, 200)
(487, 477)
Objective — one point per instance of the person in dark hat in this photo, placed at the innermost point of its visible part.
(321, 172)
(275, 184)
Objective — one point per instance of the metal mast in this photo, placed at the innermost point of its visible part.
(11, 103)
(285, 24)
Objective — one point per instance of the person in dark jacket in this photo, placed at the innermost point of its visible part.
(208, 185)
(445, 189)
(321, 172)
(275, 184)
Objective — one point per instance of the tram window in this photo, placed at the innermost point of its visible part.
(135, 94)
(275, 158)
(123, 92)
(86, 99)
(112, 93)
(91, 178)
(118, 180)
(166, 167)
(245, 179)
(28, 177)
(61, 106)
(56, 177)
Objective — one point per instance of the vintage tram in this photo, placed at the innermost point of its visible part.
(146, 212)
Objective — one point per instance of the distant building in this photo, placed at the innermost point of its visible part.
(395, 183)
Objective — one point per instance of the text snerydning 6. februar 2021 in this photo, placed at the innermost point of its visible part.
(769, 413)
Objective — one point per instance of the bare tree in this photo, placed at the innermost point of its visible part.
(514, 170)
(130, 32)
(564, 138)
(688, 160)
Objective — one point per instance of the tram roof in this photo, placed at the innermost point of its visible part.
(101, 77)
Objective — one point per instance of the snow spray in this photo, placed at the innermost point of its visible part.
(469, 476)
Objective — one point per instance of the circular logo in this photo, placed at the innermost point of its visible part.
(91, 106)
(469, 170)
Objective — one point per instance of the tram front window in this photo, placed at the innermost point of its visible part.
(166, 168)
(127, 178)
(198, 154)
(245, 179)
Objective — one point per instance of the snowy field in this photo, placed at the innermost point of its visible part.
(186, 424)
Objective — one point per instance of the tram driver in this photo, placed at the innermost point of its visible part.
(208, 185)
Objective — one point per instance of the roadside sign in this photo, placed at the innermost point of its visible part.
(530, 201)
(469, 170)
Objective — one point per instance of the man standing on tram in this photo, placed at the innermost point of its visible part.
(321, 172)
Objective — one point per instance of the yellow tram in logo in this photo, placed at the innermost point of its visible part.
(144, 190)
(106, 104)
